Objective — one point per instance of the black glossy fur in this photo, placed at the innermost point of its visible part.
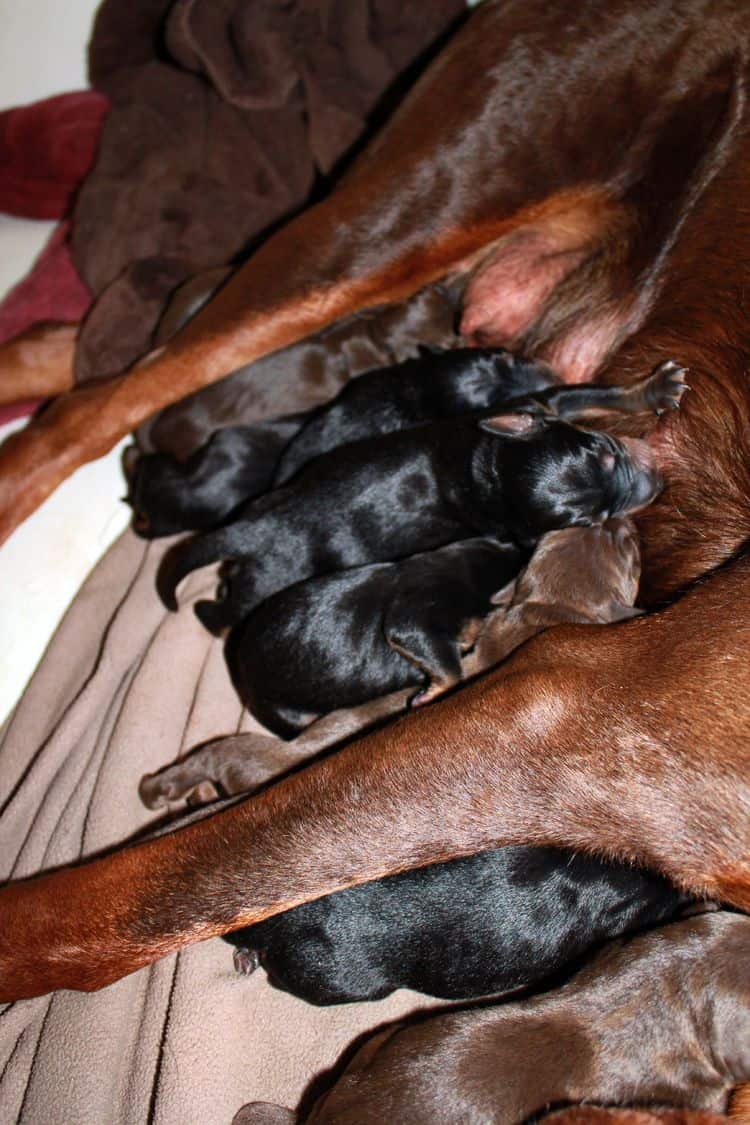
(439, 384)
(470, 927)
(168, 495)
(402, 493)
(358, 634)
(241, 462)
(236, 464)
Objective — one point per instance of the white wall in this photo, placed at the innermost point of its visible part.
(42, 52)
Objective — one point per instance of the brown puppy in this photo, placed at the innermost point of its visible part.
(596, 1115)
(661, 1018)
(300, 377)
(597, 211)
(586, 574)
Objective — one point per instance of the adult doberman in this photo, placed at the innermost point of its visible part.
(580, 173)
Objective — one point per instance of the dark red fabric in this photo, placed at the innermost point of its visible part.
(51, 291)
(46, 149)
(18, 410)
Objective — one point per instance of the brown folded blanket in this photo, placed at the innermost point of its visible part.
(224, 112)
(123, 689)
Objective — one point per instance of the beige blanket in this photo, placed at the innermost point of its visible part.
(123, 689)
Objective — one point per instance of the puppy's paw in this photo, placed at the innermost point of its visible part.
(665, 388)
(246, 961)
(159, 790)
(213, 616)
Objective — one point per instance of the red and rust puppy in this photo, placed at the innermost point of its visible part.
(266, 1113)
(306, 374)
(589, 202)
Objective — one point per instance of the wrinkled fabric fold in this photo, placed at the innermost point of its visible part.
(225, 115)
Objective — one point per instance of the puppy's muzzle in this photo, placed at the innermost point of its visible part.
(647, 482)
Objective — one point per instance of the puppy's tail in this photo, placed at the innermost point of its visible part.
(190, 555)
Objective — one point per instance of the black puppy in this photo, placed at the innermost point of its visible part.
(239, 463)
(348, 637)
(438, 384)
(513, 477)
(470, 927)
(448, 383)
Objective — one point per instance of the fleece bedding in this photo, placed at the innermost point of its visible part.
(125, 688)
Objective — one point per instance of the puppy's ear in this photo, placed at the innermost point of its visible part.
(620, 612)
(505, 596)
(516, 425)
(426, 350)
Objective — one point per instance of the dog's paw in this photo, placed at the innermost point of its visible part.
(667, 385)
(246, 961)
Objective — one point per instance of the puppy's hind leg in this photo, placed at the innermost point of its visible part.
(434, 653)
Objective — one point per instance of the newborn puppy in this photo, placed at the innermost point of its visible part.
(358, 634)
(584, 574)
(266, 1113)
(661, 1018)
(469, 927)
(238, 463)
(438, 384)
(301, 377)
(513, 477)
(446, 384)
(578, 574)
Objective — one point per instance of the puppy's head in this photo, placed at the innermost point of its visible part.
(587, 573)
(152, 482)
(557, 475)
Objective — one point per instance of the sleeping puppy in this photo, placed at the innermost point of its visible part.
(446, 384)
(266, 1113)
(662, 1018)
(336, 642)
(513, 477)
(584, 574)
(236, 464)
(438, 384)
(306, 374)
(240, 462)
(578, 574)
(470, 927)
(352, 636)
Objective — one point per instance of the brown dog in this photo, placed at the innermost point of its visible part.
(596, 221)
(661, 1018)
(585, 574)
